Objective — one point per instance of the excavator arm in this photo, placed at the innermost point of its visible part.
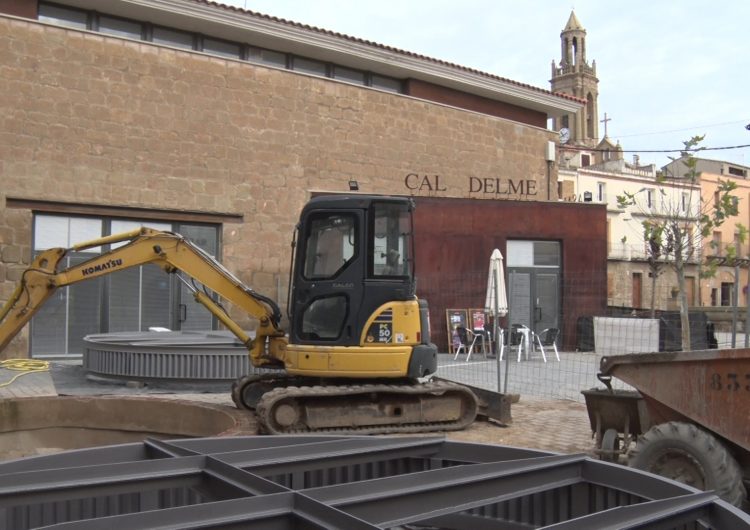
(173, 254)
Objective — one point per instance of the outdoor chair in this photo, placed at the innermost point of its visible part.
(489, 339)
(516, 338)
(480, 338)
(548, 338)
(502, 341)
(462, 341)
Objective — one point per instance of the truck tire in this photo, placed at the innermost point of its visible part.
(685, 453)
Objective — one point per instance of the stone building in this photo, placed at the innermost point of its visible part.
(220, 123)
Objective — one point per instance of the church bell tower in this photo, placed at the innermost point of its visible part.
(574, 76)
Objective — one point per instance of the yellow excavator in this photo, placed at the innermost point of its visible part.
(357, 355)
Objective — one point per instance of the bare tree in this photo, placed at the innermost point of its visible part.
(674, 231)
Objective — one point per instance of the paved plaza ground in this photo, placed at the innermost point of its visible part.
(547, 424)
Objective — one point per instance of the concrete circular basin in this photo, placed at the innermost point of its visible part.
(40, 425)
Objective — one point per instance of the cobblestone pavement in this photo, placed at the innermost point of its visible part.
(545, 424)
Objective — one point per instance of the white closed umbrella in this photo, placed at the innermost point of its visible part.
(496, 302)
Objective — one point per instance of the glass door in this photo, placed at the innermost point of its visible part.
(534, 284)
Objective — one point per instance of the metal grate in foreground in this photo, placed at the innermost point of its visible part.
(310, 482)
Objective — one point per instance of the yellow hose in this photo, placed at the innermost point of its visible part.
(25, 366)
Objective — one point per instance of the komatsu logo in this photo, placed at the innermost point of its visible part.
(107, 265)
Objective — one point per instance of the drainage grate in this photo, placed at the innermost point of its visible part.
(173, 355)
(343, 482)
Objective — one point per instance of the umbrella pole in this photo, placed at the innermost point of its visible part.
(507, 358)
(496, 310)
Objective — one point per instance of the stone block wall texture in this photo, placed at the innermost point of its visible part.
(95, 119)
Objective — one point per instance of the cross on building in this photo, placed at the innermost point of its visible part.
(604, 121)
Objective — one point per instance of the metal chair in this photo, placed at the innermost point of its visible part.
(517, 338)
(502, 340)
(548, 338)
(464, 342)
(479, 338)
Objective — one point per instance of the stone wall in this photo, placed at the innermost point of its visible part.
(90, 118)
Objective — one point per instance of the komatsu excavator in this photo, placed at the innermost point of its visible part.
(357, 355)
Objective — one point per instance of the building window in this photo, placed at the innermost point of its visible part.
(585, 160)
(685, 199)
(601, 192)
(737, 172)
(172, 37)
(738, 245)
(716, 243)
(726, 293)
(388, 84)
(120, 27)
(269, 57)
(650, 199)
(348, 74)
(309, 66)
(63, 16)
(222, 48)
(128, 300)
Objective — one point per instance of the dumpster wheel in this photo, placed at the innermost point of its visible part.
(692, 456)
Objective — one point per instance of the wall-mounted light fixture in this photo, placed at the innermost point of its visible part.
(353, 185)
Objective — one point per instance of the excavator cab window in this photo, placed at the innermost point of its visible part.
(391, 254)
(331, 245)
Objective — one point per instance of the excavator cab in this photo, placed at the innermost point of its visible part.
(353, 255)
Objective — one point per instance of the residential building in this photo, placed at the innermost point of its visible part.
(727, 248)
(631, 281)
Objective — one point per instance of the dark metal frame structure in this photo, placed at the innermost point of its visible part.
(331, 482)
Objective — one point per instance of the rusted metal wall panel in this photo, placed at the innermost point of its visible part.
(455, 238)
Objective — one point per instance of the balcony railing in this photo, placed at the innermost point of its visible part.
(728, 253)
(639, 252)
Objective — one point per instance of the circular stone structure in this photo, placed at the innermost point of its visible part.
(343, 482)
(51, 424)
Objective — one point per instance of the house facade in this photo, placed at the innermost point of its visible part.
(726, 249)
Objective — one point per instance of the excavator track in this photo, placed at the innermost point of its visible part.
(367, 409)
(248, 389)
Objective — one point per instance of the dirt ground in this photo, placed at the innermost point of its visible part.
(550, 425)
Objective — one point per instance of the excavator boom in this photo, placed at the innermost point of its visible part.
(172, 253)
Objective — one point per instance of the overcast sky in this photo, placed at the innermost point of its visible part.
(667, 69)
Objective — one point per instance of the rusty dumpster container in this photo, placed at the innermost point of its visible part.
(691, 413)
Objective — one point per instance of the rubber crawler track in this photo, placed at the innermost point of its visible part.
(266, 405)
(272, 380)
